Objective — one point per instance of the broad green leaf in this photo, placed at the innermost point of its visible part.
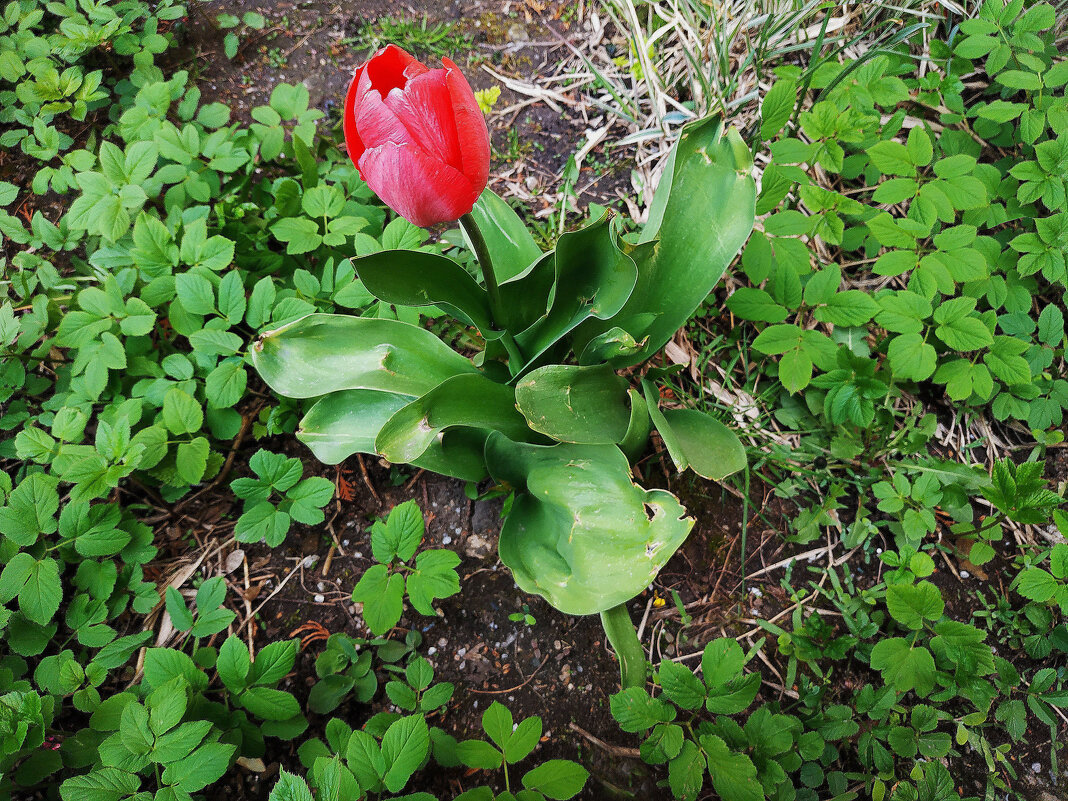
(911, 604)
(434, 577)
(585, 405)
(594, 278)
(347, 422)
(507, 238)
(416, 278)
(324, 353)
(613, 344)
(911, 357)
(497, 723)
(102, 784)
(404, 747)
(662, 744)
(300, 234)
(382, 596)
(182, 413)
(559, 779)
(733, 774)
(701, 214)
(463, 400)
(721, 662)
(262, 522)
(680, 685)
(695, 440)
(204, 766)
(1036, 584)
(30, 510)
(41, 595)
(756, 304)
(479, 755)
(776, 108)
(905, 666)
(686, 772)
(290, 787)
(273, 662)
(635, 710)
(523, 740)
(581, 533)
(267, 703)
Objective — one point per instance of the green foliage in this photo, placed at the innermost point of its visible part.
(383, 587)
(954, 206)
(383, 756)
(123, 378)
(441, 39)
(301, 500)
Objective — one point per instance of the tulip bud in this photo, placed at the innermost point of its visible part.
(417, 136)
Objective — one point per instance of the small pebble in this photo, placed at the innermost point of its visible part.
(319, 586)
(446, 540)
(1036, 767)
(319, 599)
(965, 574)
(431, 650)
(442, 642)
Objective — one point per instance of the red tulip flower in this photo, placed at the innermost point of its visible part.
(417, 136)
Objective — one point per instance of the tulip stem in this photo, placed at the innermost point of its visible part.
(485, 263)
(624, 640)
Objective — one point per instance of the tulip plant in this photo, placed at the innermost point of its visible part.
(560, 402)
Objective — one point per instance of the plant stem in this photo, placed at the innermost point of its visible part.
(624, 640)
(485, 263)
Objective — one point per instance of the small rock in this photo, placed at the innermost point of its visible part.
(319, 598)
(478, 547)
(446, 540)
(965, 574)
(517, 33)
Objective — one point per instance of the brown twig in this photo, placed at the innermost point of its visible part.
(614, 750)
(367, 479)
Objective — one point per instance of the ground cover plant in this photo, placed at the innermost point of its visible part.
(888, 344)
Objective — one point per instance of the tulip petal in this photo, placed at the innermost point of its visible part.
(471, 130)
(391, 68)
(417, 186)
(377, 124)
(424, 108)
(353, 143)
